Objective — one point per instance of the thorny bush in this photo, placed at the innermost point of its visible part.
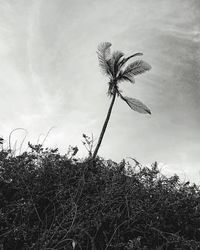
(52, 201)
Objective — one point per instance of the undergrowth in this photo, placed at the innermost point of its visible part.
(52, 201)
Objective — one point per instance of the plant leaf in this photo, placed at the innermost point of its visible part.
(104, 56)
(128, 58)
(104, 50)
(115, 61)
(136, 68)
(136, 105)
(126, 77)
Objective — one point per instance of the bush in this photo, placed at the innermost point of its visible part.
(51, 201)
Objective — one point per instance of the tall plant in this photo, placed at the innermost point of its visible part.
(114, 66)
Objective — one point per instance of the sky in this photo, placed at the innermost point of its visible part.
(50, 78)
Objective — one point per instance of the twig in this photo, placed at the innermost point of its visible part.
(47, 135)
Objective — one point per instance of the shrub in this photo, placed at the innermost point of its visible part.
(52, 201)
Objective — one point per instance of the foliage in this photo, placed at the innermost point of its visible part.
(114, 66)
(53, 201)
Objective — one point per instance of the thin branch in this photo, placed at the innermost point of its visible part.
(47, 135)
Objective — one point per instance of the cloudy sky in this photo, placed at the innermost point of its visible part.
(49, 77)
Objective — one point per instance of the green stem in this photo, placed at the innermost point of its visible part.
(104, 126)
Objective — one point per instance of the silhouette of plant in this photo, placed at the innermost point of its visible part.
(114, 66)
(49, 201)
(88, 143)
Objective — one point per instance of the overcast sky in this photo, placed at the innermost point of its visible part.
(49, 77)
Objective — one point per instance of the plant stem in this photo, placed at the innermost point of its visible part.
(104, 126)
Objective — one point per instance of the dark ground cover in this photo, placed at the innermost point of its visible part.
(53, 201)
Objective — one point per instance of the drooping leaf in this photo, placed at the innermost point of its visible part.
(104, 56)
(136, 68)
(136, 105)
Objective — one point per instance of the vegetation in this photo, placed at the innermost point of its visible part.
(115, 68)
(52, 201)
